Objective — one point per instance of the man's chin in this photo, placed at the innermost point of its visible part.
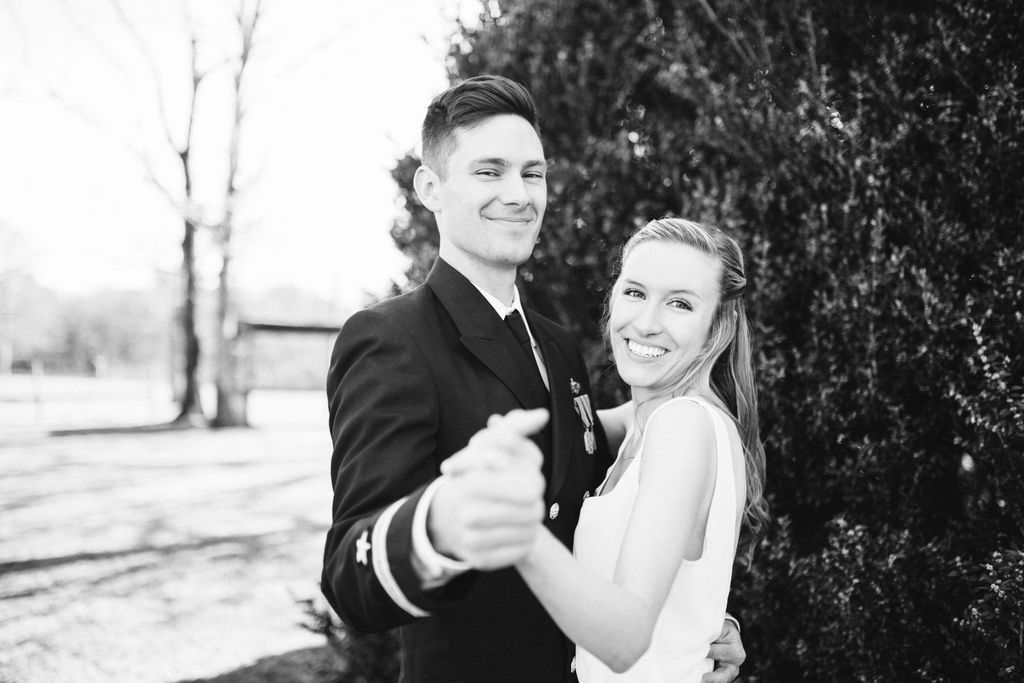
(513, 257)
(519, 259)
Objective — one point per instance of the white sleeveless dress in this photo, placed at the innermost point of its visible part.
(695, 608)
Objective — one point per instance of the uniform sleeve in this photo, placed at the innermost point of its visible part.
(383, 419)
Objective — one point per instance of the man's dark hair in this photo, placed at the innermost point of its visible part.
(466, 105)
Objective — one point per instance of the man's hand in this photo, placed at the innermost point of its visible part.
(489, 508)
(728, 654)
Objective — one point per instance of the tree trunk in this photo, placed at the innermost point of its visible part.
(231, 395)
(191, 409)
(190, 406)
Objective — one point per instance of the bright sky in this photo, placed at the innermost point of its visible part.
(322, 137)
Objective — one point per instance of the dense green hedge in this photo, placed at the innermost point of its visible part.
(869, 157)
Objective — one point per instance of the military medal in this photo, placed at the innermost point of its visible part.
(583, 409)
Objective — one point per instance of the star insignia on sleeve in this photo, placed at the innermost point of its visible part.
(363, 547)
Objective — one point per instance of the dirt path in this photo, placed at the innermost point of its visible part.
(158, 557)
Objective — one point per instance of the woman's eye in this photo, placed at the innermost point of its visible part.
(633, 293)
(679, 303)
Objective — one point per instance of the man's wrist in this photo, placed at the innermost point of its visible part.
(434, 568)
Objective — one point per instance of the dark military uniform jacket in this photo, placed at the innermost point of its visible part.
(411, 380)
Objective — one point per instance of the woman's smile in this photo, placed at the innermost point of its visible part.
(644, 350)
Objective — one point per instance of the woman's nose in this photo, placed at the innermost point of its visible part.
(648, 319)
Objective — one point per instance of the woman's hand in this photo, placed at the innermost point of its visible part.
(490, 506)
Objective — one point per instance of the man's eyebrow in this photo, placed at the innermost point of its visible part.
(505, 163)
(491, 161)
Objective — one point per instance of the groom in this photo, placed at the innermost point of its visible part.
(414, 378)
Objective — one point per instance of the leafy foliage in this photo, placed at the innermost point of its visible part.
(367, 657)
(869, 158)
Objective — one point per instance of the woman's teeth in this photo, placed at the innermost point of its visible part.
(645, 351)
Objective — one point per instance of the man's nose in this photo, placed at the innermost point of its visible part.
(513, 191)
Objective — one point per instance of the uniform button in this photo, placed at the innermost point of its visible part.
(553, 512)
(572, 666)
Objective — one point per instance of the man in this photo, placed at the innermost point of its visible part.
(414, 378)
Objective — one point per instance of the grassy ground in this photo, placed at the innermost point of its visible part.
(308, 665)
(159, 556)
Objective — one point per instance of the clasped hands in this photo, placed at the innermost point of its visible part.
(490, 505)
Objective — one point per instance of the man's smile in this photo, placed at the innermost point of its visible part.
(510, 219)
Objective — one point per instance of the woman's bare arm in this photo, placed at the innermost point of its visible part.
(615, 619)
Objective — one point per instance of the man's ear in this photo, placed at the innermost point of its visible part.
(428, 188)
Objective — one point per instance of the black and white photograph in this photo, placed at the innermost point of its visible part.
(555, 341)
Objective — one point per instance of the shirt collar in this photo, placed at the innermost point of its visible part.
(501, 308)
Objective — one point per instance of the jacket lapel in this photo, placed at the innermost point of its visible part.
(563, 415)
(485, 335)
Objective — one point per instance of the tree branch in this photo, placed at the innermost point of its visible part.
(744, 54)
(133, 33)
(26, 53)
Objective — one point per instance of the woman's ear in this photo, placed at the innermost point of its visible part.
(428, 187)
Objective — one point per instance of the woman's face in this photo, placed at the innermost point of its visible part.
(661, 312)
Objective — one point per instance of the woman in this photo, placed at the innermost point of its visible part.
(645, 593)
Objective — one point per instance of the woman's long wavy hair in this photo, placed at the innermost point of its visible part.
(725, 360)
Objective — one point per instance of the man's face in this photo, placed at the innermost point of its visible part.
(490, 204)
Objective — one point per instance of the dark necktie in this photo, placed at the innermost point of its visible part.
(518, 327)
(543, 439)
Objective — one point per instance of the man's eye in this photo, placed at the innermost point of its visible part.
(487, 172)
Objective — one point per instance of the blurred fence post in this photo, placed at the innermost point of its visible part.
(6, 357)
(255, 369)
(37, 387)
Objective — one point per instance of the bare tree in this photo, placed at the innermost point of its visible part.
(214, 215)
(190, 406)
(181, 194)
(230, 408)
(183, 199)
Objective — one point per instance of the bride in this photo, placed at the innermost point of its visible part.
(644, 595)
